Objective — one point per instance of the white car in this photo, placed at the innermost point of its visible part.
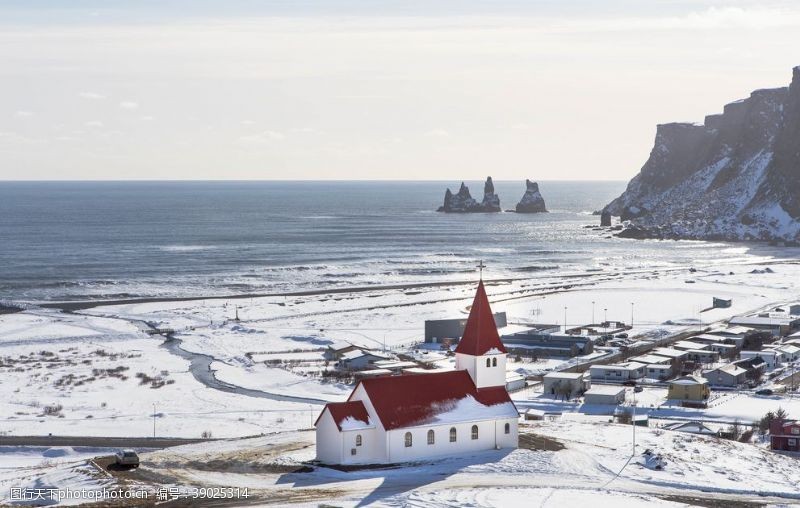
(127, 457)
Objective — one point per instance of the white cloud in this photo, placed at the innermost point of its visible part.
(23, 114)
(129, 105)
(147, 118)
(91, 95)
(96, 124)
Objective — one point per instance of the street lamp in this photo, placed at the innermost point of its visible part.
(605, 319)
(565, 319)
(592, 312)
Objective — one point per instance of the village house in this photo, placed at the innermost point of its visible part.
(702, 356)
(359, 359)
(659, 372)
(690, 427)
(730, 376)
(617, 372)
(777, 323)
(689, 388)
(391, 419)
(770, 357)
(686, 345)
(570, 384)
(784, 435)
(723, 350)
(605, 395)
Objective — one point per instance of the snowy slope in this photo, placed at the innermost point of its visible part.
(734, 177)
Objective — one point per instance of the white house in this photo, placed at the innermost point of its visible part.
(390, 419)
(771, 357)
(617, 371)
(605, 395)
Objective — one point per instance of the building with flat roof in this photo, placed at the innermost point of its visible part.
(556, 383)
(605, 395)
(618, 372)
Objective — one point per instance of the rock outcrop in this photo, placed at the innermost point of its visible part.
(735, 177)
(532, 201)
(463, 202)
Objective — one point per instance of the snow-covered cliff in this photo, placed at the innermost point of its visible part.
(735, 177)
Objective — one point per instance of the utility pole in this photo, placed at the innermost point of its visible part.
(631, 314)
(154, 419)
(605, 319)
(565, 319)
(592, 312)
(633, 453)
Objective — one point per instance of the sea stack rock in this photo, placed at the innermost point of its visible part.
(532, 201)
(491, 201)
(735, 177)
(605, 219)
(463, 202)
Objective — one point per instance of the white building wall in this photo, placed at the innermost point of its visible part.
(380, 433)
(329, 440)
(769, 357)
(490, 436)
(483, 376)
(370, 451)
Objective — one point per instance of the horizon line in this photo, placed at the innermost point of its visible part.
(135, 180)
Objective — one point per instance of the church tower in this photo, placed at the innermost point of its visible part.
(480, 351)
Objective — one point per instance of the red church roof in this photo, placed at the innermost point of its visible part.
(480, 333)
(341, 411)
(417, 399)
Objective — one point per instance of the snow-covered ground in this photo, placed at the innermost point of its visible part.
(595, 466)
(106, 374)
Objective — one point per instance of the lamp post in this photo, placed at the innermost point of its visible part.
(565, 319)
(592, 312)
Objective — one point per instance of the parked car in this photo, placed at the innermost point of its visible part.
(638, 389)
(629, 382)
(622, 335)
(126, 457)
(766, 391)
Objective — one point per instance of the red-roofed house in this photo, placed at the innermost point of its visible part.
(391, 419)
(785, 435)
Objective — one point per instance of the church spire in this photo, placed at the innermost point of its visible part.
(480, 333)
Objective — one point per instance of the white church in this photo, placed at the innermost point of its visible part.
(404, 418)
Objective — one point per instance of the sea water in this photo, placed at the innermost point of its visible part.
(93, 240)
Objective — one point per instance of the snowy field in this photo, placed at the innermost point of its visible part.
(595, 466)
(97, 373)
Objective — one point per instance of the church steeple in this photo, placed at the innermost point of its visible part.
(480, 350)
(480, 333)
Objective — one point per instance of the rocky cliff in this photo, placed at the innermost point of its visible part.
(532, 201)
(735, 177)
(463, 202)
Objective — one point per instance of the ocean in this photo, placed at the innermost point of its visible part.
(107, 240)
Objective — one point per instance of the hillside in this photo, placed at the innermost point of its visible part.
(735, 177)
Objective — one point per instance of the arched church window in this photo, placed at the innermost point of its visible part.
(452, 434)
(409, 440)
(431, 437)
(494, 362)
(358, 439)
(474, 432)
(488, 362)
(508, 428)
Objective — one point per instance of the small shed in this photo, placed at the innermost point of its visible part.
(605, 394)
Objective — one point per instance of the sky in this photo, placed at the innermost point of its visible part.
(421, 90)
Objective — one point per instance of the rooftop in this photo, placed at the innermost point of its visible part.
(480, 333)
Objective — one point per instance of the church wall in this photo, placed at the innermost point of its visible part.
(370, 451)
(329, 440)
(379, 449)
(489, 433)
